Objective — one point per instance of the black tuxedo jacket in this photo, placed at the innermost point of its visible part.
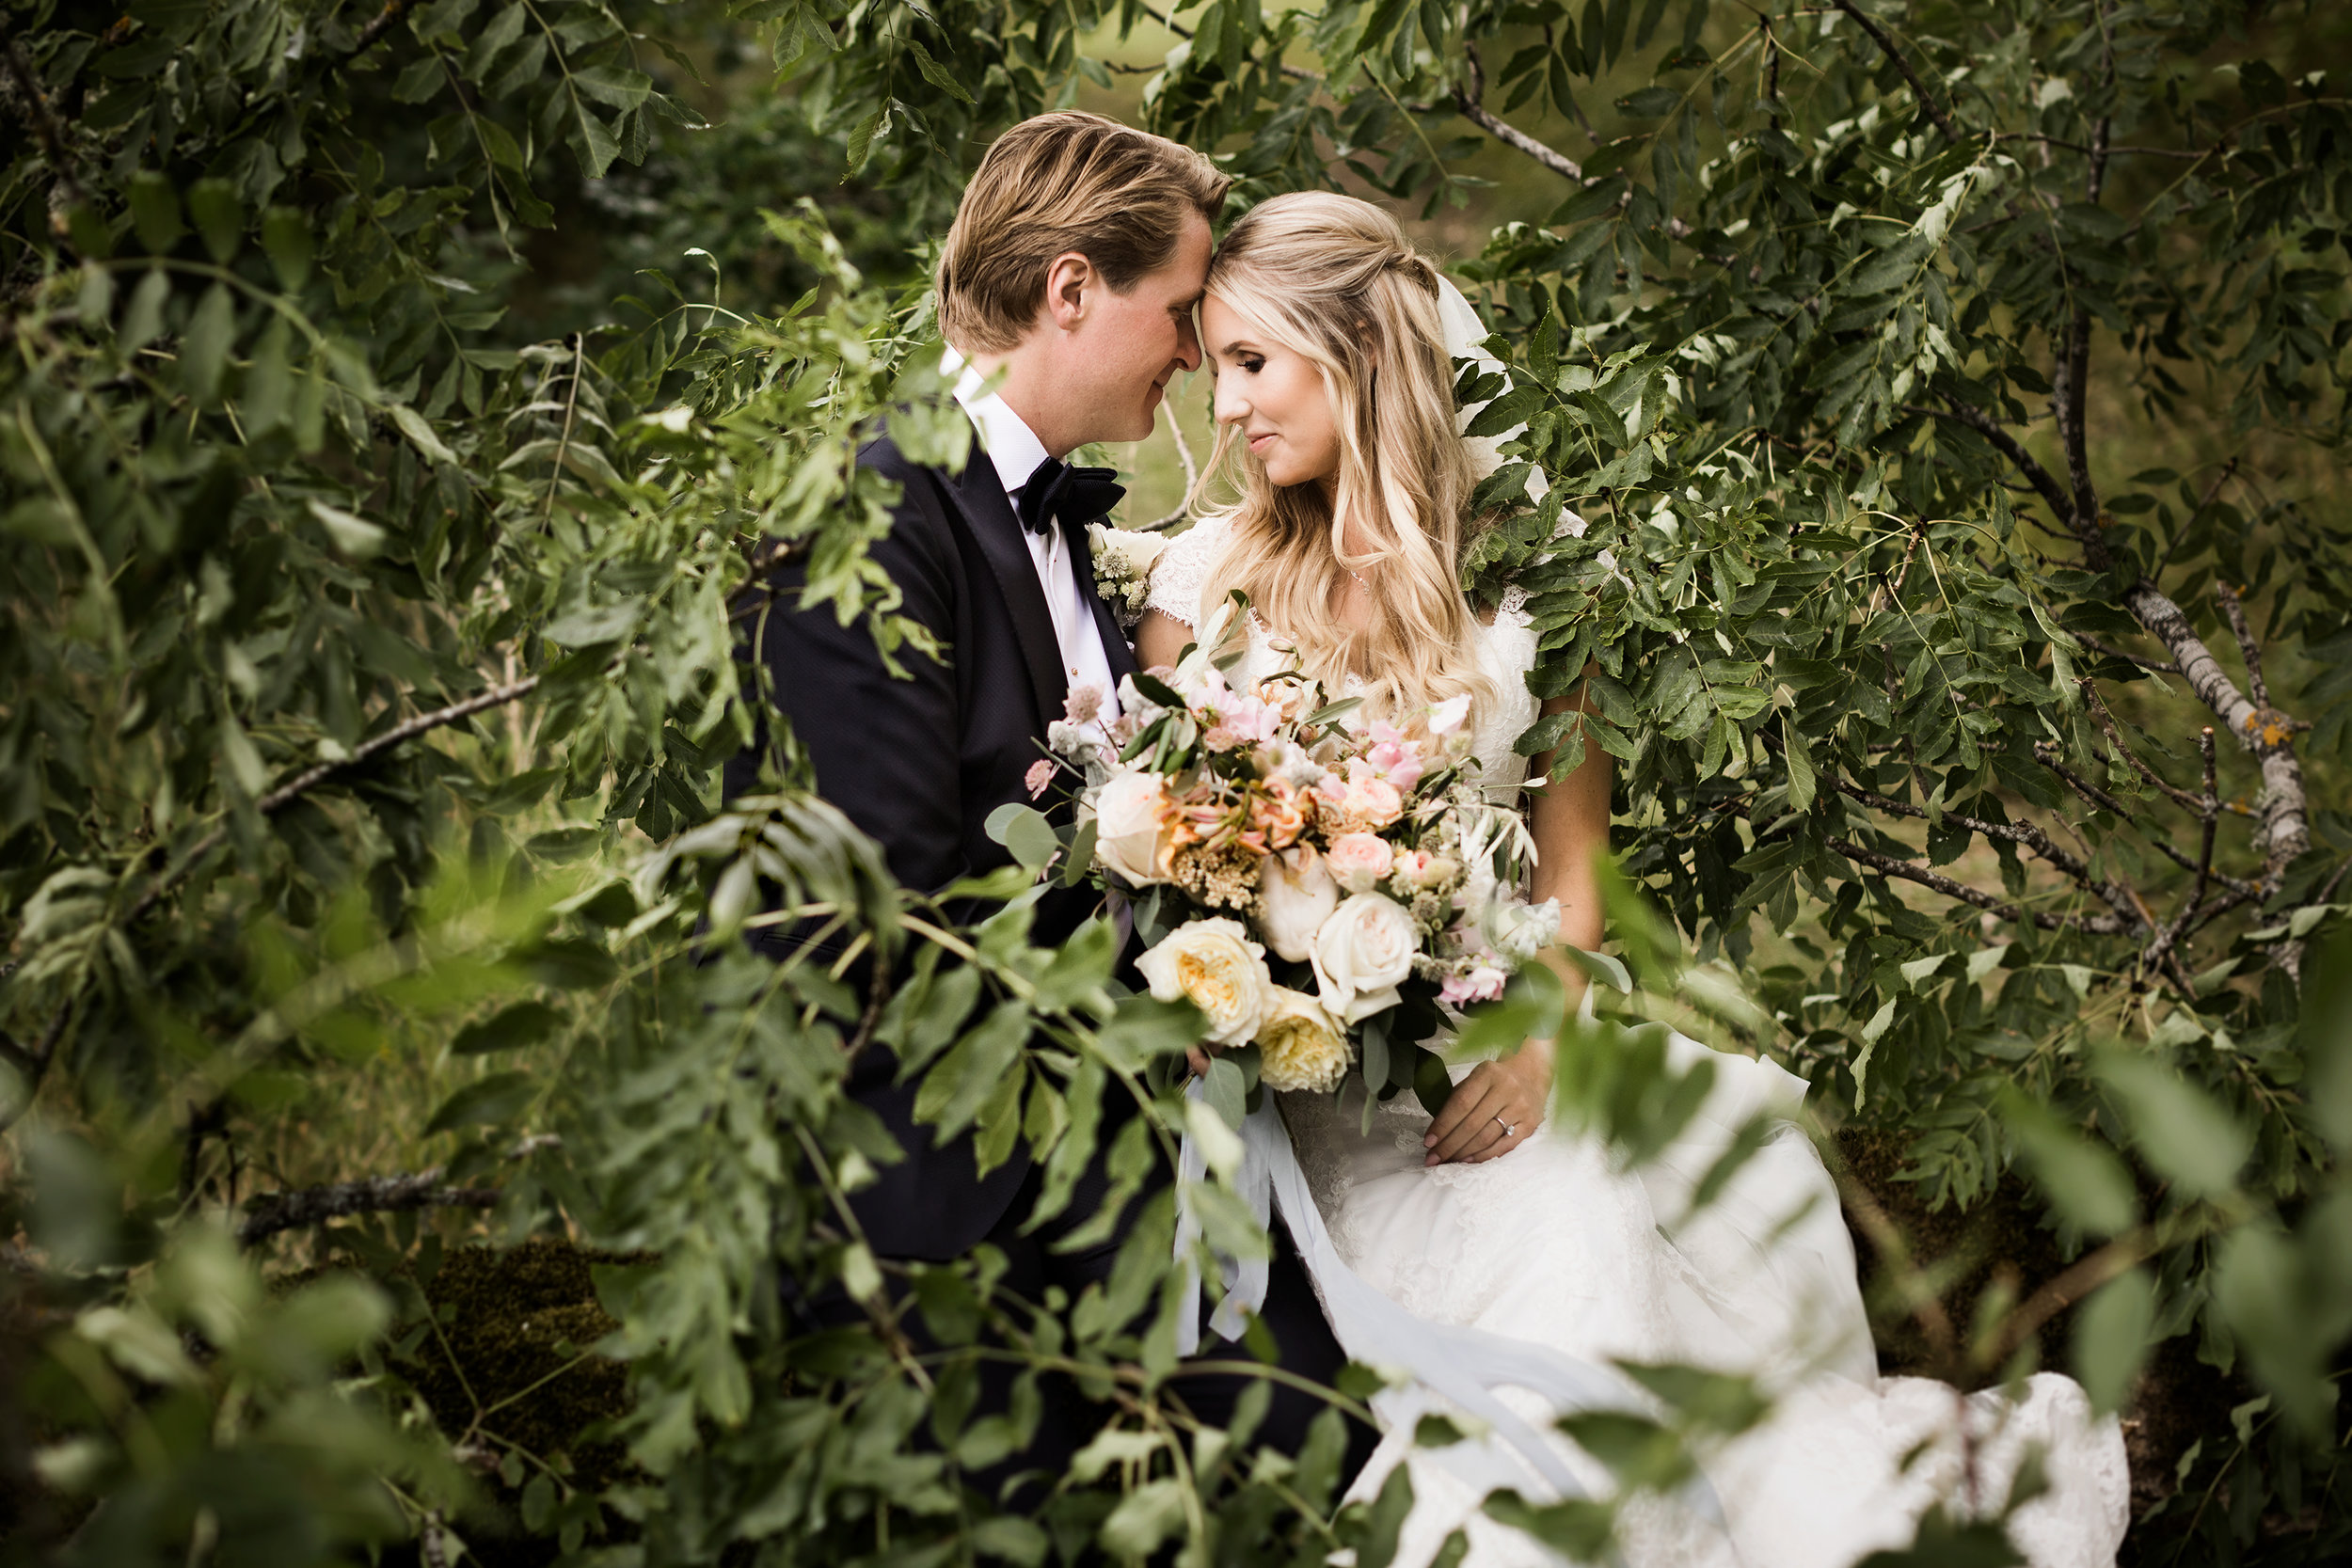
(918, 763)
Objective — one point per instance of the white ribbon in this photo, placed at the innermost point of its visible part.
(1441, 1364)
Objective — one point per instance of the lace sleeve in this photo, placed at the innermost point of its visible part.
(1183, 570)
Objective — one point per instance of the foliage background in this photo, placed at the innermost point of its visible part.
(394, 400)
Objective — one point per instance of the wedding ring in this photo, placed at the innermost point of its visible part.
(1508, 1131)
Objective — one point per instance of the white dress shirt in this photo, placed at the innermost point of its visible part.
(1016, 451)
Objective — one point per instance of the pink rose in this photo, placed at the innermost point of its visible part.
(1413, 865)
(1358, 861)
(1483, 984)
(1371, 800)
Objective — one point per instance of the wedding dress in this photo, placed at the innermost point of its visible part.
(1522, 1279)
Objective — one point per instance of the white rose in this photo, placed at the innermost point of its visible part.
(1131, 553)
(1361, 954)
(1299, 1046)
(1295, 895)
(1213, 965)
(1129, 827)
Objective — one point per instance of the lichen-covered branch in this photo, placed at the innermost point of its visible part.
(265, 1217)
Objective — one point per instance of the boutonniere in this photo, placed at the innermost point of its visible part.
(1123, 568)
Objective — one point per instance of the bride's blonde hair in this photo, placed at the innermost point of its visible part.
(1334, 279)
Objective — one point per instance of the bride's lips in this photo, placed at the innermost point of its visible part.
(1258, 444)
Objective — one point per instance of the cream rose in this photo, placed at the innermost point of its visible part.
(1358, 861)
(1295, 895)
(1362, 952)
(1131, 828)
(1299, 1047)
(1213, 965)
(1373, 802)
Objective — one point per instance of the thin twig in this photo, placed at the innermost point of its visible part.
(1911, 872)
(1192, 472)
(265, 1217)
(1984, 424)
(47, 127)
(2115, 739)
(2022, 833)
(1167, 20)
(2111, 651)
(1918, 89)
(1467, 103)
(34, 1062)
(2234, 608)
(378, 26)
(563, 442)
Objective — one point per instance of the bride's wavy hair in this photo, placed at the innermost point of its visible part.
(1334, 279)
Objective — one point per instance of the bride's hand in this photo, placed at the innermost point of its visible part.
(1494, 1110)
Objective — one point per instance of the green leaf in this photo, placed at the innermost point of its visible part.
(2180, 1131)
(204, 348)
(614, 85)
(219, 217)
(1226, 1090)
(421, 434)
(286, 238)
(144, 321)
(510, 1029)
(2084, 1180)
(421, 81)
(155, 211)
(936, 75)
(486, 1102)
(354, 536)
(2111, 1338)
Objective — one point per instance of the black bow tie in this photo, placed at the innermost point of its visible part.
(1056, 491)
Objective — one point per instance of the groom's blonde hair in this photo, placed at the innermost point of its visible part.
(1054, 185)
(1334, 279)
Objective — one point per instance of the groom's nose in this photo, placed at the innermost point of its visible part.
(1187, 344)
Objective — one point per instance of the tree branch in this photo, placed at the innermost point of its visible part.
(378, 26)
(2108, 649)
(1913, 872)
(2115, 897)
(1467, 103)
(1167, 20)
(46, 127)
(1918, 89)
(2264, 731)
(1984, 424)
(265, 1217)
(311, 778)
(34, 1063)
(1192, 471)
(2235, 608)
(2068, 387)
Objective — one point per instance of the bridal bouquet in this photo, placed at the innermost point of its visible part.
(1318, 885)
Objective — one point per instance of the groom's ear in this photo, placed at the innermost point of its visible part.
(1070, 279)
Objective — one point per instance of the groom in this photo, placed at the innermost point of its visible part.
(1068, 283)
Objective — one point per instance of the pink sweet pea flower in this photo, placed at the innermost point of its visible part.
(1394, 756)
(1040, 773)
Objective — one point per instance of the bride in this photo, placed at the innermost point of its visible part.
(1503, 1263)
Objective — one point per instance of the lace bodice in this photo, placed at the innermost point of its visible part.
(1506, 649)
